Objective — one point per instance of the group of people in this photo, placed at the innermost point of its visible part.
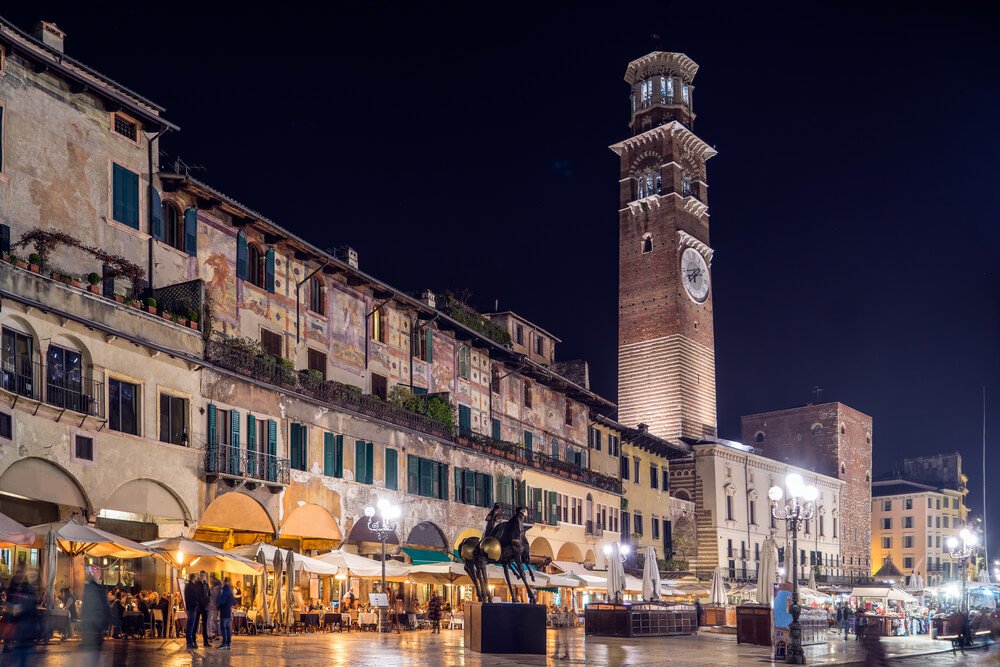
(209, 604)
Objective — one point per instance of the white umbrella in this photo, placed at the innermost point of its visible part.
(278, 610)
(650, 576)
(984, 575)
(717, 594)
(767, 571)
(812, 578)
(264, 611)
(616, 575)
(359, 566)
(75, 539)
(182, 552)
(14, 534)
(290, 591)
(49, 568)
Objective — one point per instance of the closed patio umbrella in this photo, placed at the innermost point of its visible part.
(717, 593)
(49, 568)
(279, 618)
(265, 613)
(290, 575)
(650, 576)
(616, 576)
(767, 571)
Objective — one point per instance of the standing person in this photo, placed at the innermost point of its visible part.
(225, 603)
(94, 619)
(847, 620)
(213, 608)
(192, 599)
(237, 595)
(204, 597)
(22, 601)
(434, 613)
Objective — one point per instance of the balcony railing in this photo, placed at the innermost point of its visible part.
(236, 462)
(518, 454)
(592, 529)
(33, 379)
(272, 371)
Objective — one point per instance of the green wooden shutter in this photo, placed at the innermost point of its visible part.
(131, 199)
(458, 485)
(469, 488)
(527, 440)
(489, 491)
(391, 469)
(213, 438)
(329, 454)
(234, 442)
(464, 419)
(522, 493)
(251, 445)
(272, 450)
(443, 476)
(496, 429)
(370, 462)
(191, 231)
(553, 508)
(269, 270)
(429, 345)
(156, 220)
(412, 474)
(360, 450)
(242, 257)
(117, 193)
(338, 468)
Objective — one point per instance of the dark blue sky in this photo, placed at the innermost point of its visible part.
(853, 200)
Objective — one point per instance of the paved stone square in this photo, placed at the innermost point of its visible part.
(423, 648)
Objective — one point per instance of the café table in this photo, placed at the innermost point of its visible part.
(133, 623)
(330, 619)
(239, 621)
(368, 619)
(180, 622)
(309, 620)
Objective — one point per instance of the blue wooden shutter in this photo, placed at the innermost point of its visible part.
(370, 462)
(156, 220)
(191, 231)
(242, 259)
(329, 454)
(272, 450)
(429, 345)
(338, 468)
(234, 442)
(212, 437)
(130, 198)
(391, 469)
(251, 446)
(269, 270)
(360, 450)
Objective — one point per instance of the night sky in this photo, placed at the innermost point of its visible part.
(853, 200)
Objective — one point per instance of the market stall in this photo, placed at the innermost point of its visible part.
(885, 609)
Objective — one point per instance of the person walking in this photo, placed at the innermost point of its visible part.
(22, 602)
(192, 600)
(95, 617)
(225, 603)
(204, 596)
(213, 608)
(434, 613)
(847, 619)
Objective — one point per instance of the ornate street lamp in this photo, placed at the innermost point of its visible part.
(961, 556)
(798, 507)
(623, 551)
(383, 526)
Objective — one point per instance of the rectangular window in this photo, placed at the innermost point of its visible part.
(298, 447)
(473, 488)
(624, 468)
(317, 362)
(753, 513)
(6, 426)
(908, 562)
(272, 343)
(626, 524)
(834, 527)
(654, 477)
(125, 196)
(822, 525)
(907, 522)
(173, 419)
(364, 462)
(944, 521)
(464, 419)
(655, 526)
(635, 468)
(18, 368)
(664, 480)
(126, 127)
(595, 438)
(123, 408)
(527, 394)
(930, 522)
(528, 440)
(886, 505)
(392, 469)
(886, 542)
(464, 362)
(519, 334)
(887, 523)
(907, 541)
(333, 455)
(729, 507)
(569, 413)
(908, 504)
(380, 386)
(930, 503)
(540, 346)
(638, 524)
(84, 448)
(426, 478)
(1, 116)
(614, 445)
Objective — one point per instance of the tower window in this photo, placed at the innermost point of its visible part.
(317, 300)
(647, 243)
(173, 226)
(759, 437)
(686, 187)
(685, 94)
(667, 90)
(646, 93)
(649, 183)
(126, 127)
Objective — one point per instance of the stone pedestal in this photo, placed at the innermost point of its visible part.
(505, 628)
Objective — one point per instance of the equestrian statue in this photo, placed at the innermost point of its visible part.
(503, 543)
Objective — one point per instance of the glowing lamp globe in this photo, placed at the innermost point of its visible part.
(952, 542)
(369, 511)
(625, 549)
(607, 549)
(810, 493)
(971, 540)
(775, 493)
(794, 484)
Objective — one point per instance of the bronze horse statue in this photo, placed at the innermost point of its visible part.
(504, 543)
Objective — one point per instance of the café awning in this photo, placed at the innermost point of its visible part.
(303, 563)
(426, 556)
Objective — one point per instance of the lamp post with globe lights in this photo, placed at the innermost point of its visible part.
(383, 526)
(961, 556)
(798, 507)
(623, 551)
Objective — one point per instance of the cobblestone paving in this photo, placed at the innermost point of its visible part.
(427, 650)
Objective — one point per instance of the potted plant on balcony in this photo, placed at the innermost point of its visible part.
(192, 318)
(94, 279)
(135, 303)
(150, 305)
(180, 319)
(119, 297)
(166, 314)
(74, 281)
(35, 262)
(18, 262)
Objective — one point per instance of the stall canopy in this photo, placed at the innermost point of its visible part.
(426, 556)
(359, 566)
(74, 539)
(302, 563)
(182, 552)
(884, 592)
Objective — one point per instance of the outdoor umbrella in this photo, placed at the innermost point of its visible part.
(650, 577)
(278, 617)
(767, 571)
(290, 592)
(302, 563)
(264, 611)
(812, 578)
(359, 566)
(439, 573)
(616, 575)
(75, 538)
(14, 534)
(182, 552)
(984, 575)
(717, 594)
(49, 568)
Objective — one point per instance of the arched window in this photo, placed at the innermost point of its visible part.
(464, 362)
(649, 183)
(378, 325)
(817, 429)
(682, 495)
(255, 264)
(647, 243)
(758, 437)
(686, 185)
(527, 394)
(173, 225)
(317, 296)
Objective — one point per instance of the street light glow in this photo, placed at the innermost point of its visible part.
(625, 549)
(607, 549)
(965, 534)
(794, 484)
(369, 511)
(775, 493)
(810, 493)
(952, 542)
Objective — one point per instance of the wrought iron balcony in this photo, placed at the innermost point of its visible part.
(235, 462)
(273, 371)
(26, 377)
(593, 530)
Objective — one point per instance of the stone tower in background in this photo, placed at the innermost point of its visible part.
(666, 344)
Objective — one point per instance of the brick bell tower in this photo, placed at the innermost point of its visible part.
(666, 344)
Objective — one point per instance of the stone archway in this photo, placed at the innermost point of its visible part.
(234, 519)
(313, 526)
(39, 491)
(427, 535)
(541, 549)
(570, 552)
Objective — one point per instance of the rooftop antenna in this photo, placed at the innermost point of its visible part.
(180, 164)
(816, 391)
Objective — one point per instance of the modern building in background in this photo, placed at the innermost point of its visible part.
(830, 439)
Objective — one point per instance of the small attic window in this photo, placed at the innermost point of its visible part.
(647, 243)
(126, 127)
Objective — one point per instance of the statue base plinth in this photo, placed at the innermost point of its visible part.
(505, 628)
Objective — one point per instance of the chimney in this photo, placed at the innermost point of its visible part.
(644, 428)
(429, 298)
(347, 254)
(49, 34)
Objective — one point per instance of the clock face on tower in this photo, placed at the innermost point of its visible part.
(694, 275)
